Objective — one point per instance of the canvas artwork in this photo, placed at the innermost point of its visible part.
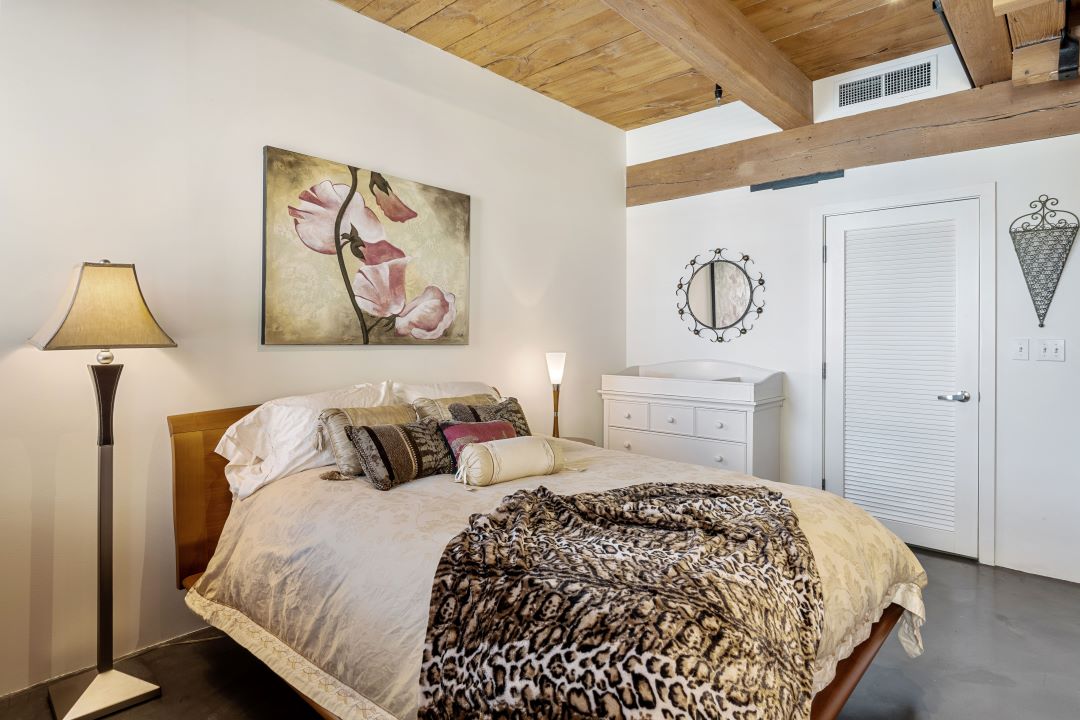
(356, 257)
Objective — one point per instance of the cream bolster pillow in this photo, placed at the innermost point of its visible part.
(498, 461)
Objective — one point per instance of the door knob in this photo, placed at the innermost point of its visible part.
(962, 396)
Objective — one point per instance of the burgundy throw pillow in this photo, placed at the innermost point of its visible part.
(460, 434)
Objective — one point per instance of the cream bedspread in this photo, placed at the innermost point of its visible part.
(328, 583)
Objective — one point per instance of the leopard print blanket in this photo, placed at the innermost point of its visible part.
(652, 601)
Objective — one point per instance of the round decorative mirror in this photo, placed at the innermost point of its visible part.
(719, 296)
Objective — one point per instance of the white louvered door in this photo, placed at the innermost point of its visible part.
(902, 329)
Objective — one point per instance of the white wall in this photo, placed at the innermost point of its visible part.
(1038, 477)
(718, 125)
(134, 131)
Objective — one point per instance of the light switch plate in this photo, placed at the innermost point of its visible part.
(1050, 349)
(1020, 348)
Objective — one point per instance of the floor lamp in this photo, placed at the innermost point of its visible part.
(105, 309)
(556, 362)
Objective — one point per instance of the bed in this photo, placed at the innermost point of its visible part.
(329, 583)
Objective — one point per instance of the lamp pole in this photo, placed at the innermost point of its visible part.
(106, 378)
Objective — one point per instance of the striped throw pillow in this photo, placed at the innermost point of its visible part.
(395, 454)
(332, 424)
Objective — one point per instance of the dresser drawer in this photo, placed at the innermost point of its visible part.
(720, 424)
(677, 419)
(710, 453)
(628, 414)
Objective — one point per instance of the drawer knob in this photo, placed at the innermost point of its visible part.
(719, 458)
(627, 416)
(626, 445)
(719, 426)
(671, 419)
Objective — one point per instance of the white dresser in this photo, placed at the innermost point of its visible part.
(708, 412)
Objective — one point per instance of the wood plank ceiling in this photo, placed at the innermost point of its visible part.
(584, 54)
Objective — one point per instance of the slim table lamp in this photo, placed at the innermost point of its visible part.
(104, 310)
(556, 362)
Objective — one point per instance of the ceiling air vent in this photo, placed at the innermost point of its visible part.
(895, 82)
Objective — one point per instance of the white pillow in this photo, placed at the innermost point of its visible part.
(411, 392)
(498, 461)
(280, 437)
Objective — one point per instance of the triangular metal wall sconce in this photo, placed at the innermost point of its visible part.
(1042, 241)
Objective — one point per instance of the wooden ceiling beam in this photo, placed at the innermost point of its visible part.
(982, 38)
(1037, 23)
(1004, 7)
(1036, 63)
(999, 114)
(1036, 32)
(717, 40)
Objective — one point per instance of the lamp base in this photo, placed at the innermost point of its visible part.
(92, 694)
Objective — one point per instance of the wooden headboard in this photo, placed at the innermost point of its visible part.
(201, 497)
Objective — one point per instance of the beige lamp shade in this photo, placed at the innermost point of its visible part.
(105, 309)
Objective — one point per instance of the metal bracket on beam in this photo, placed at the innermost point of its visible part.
(1068, 59)
(1069, 54)
(798, 181)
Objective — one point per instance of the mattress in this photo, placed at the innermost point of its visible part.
(329, 583)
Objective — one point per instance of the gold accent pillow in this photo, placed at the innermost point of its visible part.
(332, 424)
(439, 408)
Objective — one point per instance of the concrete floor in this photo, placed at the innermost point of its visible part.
(1000, 645)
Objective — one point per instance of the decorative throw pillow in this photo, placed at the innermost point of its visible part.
(439, 408)
(498, 461)
(332, 424)
(460, 434)
(395, 454)
(509, 410)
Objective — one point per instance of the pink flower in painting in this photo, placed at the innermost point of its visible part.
(388, 201)
(317, 211)
(379, 284)
(380, 252)
(427, 316)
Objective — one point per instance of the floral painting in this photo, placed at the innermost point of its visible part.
(357, 257)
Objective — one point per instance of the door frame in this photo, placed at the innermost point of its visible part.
(986, 195)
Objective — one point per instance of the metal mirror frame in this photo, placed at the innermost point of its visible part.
(754, 308)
